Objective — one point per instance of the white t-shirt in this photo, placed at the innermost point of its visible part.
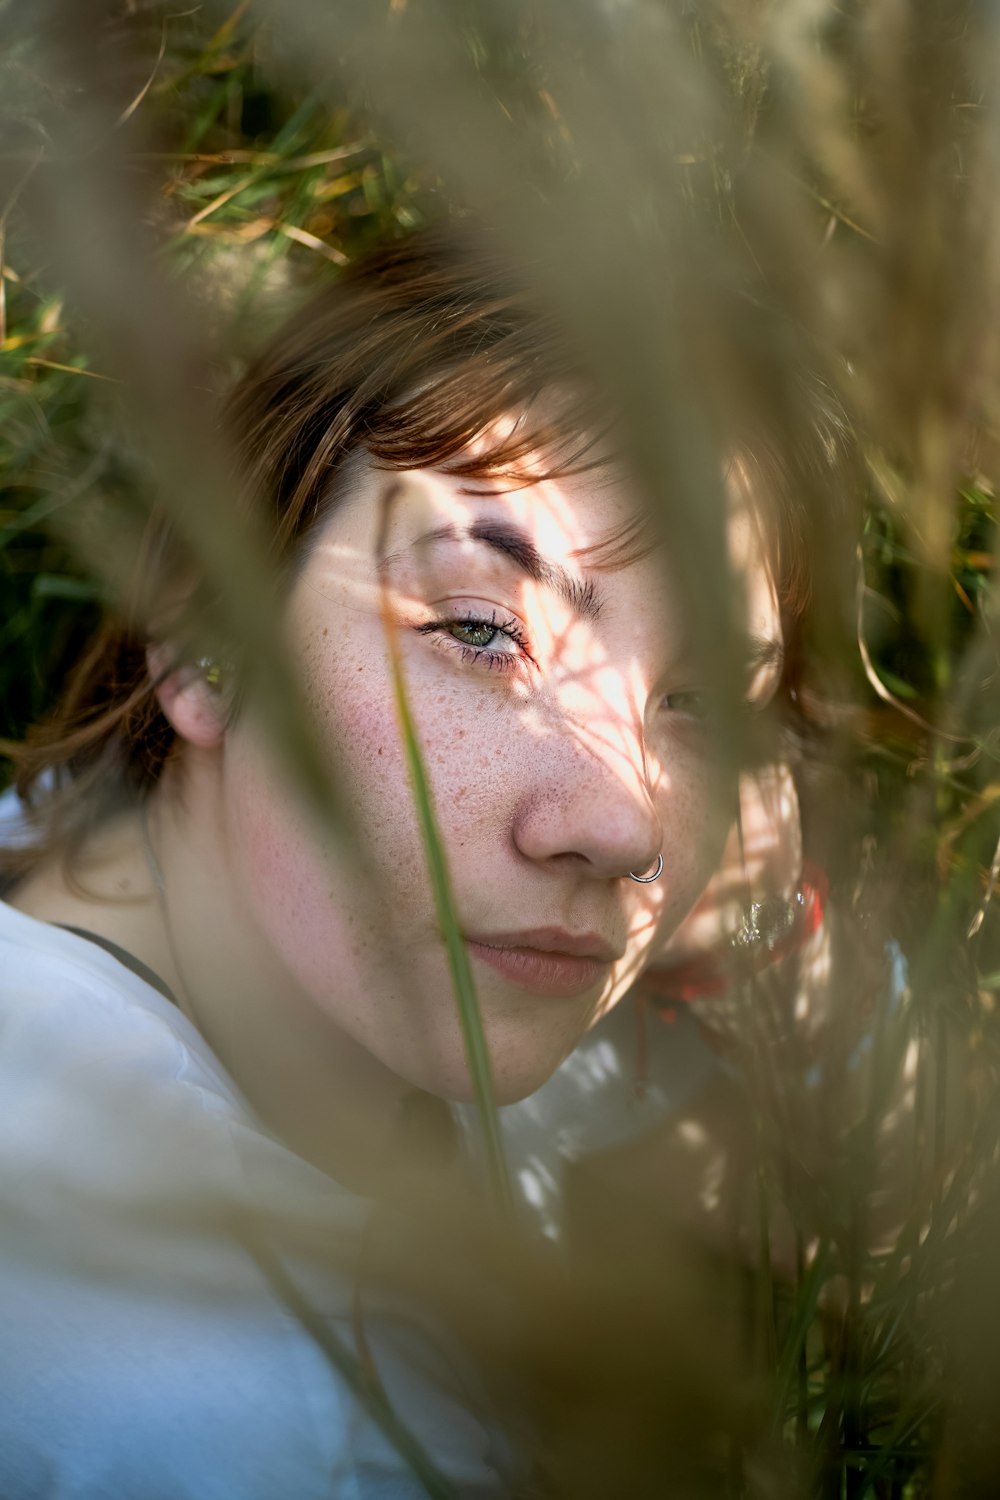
(143, 1351)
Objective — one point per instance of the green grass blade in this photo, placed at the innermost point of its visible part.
(367, 1388)
(795, 1339)
(476, 1050)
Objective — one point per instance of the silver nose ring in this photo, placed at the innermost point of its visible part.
(648, 879)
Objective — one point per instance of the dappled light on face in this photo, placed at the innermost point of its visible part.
(596, 686)
(559, 722)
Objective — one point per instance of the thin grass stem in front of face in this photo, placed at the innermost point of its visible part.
(357, 1375)
(476, 1048)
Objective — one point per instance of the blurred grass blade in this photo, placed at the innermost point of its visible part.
(366, 1387)
(476, 1050)
(795, 1339)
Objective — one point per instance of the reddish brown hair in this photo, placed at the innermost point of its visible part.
(410, 356)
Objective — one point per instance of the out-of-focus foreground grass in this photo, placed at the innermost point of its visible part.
(748, 203)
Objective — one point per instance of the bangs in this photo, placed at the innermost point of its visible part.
(493, 424)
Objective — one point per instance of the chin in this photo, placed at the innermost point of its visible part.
(512, 1080)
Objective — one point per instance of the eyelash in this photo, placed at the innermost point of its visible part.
(483, 656)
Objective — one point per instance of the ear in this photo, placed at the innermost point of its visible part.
(195, 709)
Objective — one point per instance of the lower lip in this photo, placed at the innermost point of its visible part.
(561, 974)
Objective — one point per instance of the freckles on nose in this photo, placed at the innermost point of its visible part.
(579, 795)
(605, 748)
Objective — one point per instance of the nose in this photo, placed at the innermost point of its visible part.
(588, 803)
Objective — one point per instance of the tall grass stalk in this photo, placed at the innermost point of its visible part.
(357, 1374)
(476, 1049)
(823, 180)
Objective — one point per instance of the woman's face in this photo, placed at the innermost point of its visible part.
(563, 729)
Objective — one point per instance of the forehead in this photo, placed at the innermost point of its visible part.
(382, 518)
(569, 518)
(585, 536)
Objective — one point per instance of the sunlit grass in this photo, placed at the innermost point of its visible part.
(828, 183)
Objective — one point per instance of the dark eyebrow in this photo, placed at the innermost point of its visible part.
(512, 543)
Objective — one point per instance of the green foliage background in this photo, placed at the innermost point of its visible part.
(830, 174)
(257, 186)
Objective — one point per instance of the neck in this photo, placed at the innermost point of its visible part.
(310, 1083)
(160, 885)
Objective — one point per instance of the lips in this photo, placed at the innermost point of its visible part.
(547, 960)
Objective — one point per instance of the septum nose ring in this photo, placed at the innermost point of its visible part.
(648, 879)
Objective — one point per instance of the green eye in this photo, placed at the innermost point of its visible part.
(495, 643)
(477, 633)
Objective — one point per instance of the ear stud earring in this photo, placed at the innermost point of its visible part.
(212, 671)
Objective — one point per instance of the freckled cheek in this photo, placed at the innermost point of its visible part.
(471, 753)
(362, 736)
(287, 882)
(360, 728)
(302, 889)
(480, 760)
